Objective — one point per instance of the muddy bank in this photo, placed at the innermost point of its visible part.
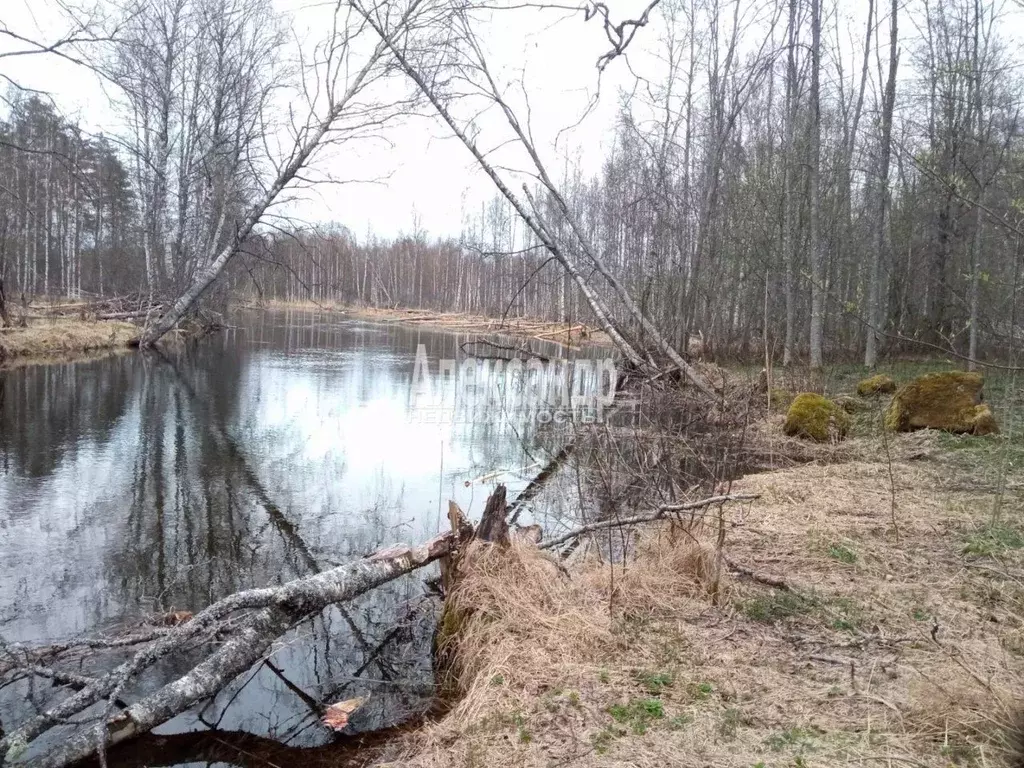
(573, 334)
(49, 339)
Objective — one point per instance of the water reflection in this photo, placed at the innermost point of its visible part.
(141, 484)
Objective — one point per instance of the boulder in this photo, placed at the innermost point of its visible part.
(816, 417)
(950, 401)
(876, 385)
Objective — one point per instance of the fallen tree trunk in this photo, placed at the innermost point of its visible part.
(277, 609)
(130, 315)
(247, 750)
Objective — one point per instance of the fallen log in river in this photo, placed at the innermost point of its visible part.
(240, 630)
(270, 613)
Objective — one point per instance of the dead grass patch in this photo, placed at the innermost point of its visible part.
(47, 339)
(893, 645)
(571, 334)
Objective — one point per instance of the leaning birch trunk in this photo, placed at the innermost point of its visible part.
(277, 609)
(660, 341)
(205, 277)
(537, 225)
(308, 140)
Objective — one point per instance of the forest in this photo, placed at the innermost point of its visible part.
(787, 179)
(724, 336)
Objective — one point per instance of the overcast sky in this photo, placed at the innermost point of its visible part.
(430, 178)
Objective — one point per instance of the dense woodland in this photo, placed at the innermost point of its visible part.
(793, 176)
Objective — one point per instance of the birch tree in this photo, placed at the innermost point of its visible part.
(817, 256)
(470, 64)
(339, 94)
(880, 222)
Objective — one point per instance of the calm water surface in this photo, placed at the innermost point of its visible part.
(141, 484)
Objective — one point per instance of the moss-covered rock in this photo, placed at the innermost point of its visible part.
(950, 401)
(984, 421)
(817, 418)
(876, 385)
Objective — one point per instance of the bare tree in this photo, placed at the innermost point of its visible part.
(880, 223)
(789, 218)
(470, 63)
(197, 76)
(341, 105)
(817, 254)
(85, 28)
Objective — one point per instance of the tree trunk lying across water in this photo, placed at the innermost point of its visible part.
(251, 621)
(273, 612)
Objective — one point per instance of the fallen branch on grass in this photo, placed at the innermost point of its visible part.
(658, 514)
(760, 578)
(273, 611)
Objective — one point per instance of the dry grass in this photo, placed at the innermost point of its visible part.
(576, 334)
(646, 664)
(50, 339)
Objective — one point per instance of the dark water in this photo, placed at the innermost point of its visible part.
(142, 484)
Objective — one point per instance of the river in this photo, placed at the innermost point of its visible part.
(141, 484)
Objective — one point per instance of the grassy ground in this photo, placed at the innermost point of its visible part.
(52, 339)
(898, 639)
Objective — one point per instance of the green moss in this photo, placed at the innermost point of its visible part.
(984, 421)
(876, 385)
(817, 418)
(950, 401)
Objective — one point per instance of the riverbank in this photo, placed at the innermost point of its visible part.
(865, 609)
(62, 338)
(872, 616)
(568, 334)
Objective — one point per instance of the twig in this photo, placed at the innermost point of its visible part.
(759, 578)
(658, 514)
(892, 482)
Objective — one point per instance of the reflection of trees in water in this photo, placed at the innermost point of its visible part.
(45, 408)
(215, 501)
(247, 539)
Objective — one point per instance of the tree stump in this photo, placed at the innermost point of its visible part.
(493, 525)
